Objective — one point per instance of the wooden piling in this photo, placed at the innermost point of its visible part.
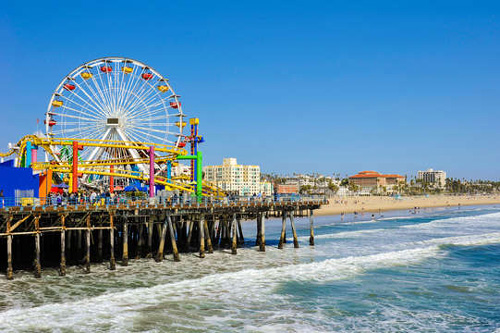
(234, 243)
(150, 238)
(87, 255)
(172, 239)
(259, 229)
(202, 237)
(125, 244)
(62, 265)
(37, 264)
(208, 237)
(295, 240)
(241, 239)
(161, 247)
(99, 244)
(140, 242)
(219, 231)
(283, 231)
(112, 261)
(262, 242)
(10, 271)
(311, 228)
(190, 234)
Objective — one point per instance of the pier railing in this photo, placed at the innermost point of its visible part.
(105, 201)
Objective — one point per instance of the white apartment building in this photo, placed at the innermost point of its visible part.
(431, 176)
(237, 178)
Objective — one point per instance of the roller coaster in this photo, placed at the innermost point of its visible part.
(110, 121)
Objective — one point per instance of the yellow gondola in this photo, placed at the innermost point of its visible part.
(180, 124)
(56, 103)
(163, 88)
(127, 70)
(86, 75)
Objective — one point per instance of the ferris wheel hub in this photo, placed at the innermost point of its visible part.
(113, 121)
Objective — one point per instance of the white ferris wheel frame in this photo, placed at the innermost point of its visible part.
(104, 96)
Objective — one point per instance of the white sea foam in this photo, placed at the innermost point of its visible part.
(344, 234)
(248, 286)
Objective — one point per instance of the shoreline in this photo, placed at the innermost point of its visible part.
(364, 204)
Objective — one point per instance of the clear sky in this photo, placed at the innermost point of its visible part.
(295, 86)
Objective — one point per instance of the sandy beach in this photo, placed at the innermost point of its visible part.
(360, 204)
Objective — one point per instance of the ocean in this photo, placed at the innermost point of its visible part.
(434, 271)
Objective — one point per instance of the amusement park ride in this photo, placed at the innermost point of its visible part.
(115, 121)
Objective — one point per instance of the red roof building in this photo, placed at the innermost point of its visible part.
(375, 179)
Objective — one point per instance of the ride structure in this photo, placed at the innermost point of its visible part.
(113, 122)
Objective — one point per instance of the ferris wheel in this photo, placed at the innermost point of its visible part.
(115, 99)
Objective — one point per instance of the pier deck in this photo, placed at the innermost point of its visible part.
(56, 236)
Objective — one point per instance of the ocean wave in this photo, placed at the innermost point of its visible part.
(247, 286)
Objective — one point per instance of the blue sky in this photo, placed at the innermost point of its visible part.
(295, 86)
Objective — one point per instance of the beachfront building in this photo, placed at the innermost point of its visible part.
(434, 177)
(369, 181)
(237, 178)
(287, 188)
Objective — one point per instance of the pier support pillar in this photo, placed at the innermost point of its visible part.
(150, 238)
(311, 228)
(87, 247)
(99, 244)
(262, 242)
(37, 264)
(172, 239)
(218, 232)
(10, 271)
(62, 266)
(190, 234)
(125, 244)
(87, 255)
(112, 261)
(234, 243)
(283, 230)
(208, 237)
(140, 242)
(201, 231)
(295, 240)
(161, 247)
(241, 240)
(259, 230)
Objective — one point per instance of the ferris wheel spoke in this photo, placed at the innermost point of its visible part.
(97, 93)
(151, 130)
(63, 115)
(95, 105)
(145, 99)
(76, 129)
(141, 90)
(162, 140)
(133, 86)
(103, 91)
(97, 114)
(146, 106)
(148, 112)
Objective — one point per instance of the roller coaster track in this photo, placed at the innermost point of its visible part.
(102, 167)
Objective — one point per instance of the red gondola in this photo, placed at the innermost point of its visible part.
(69, 86)
(51, 122)
(175, 105)
(181, 144)
(106, 69)
(147, 76)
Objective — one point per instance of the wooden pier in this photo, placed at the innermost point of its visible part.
(48, 236)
